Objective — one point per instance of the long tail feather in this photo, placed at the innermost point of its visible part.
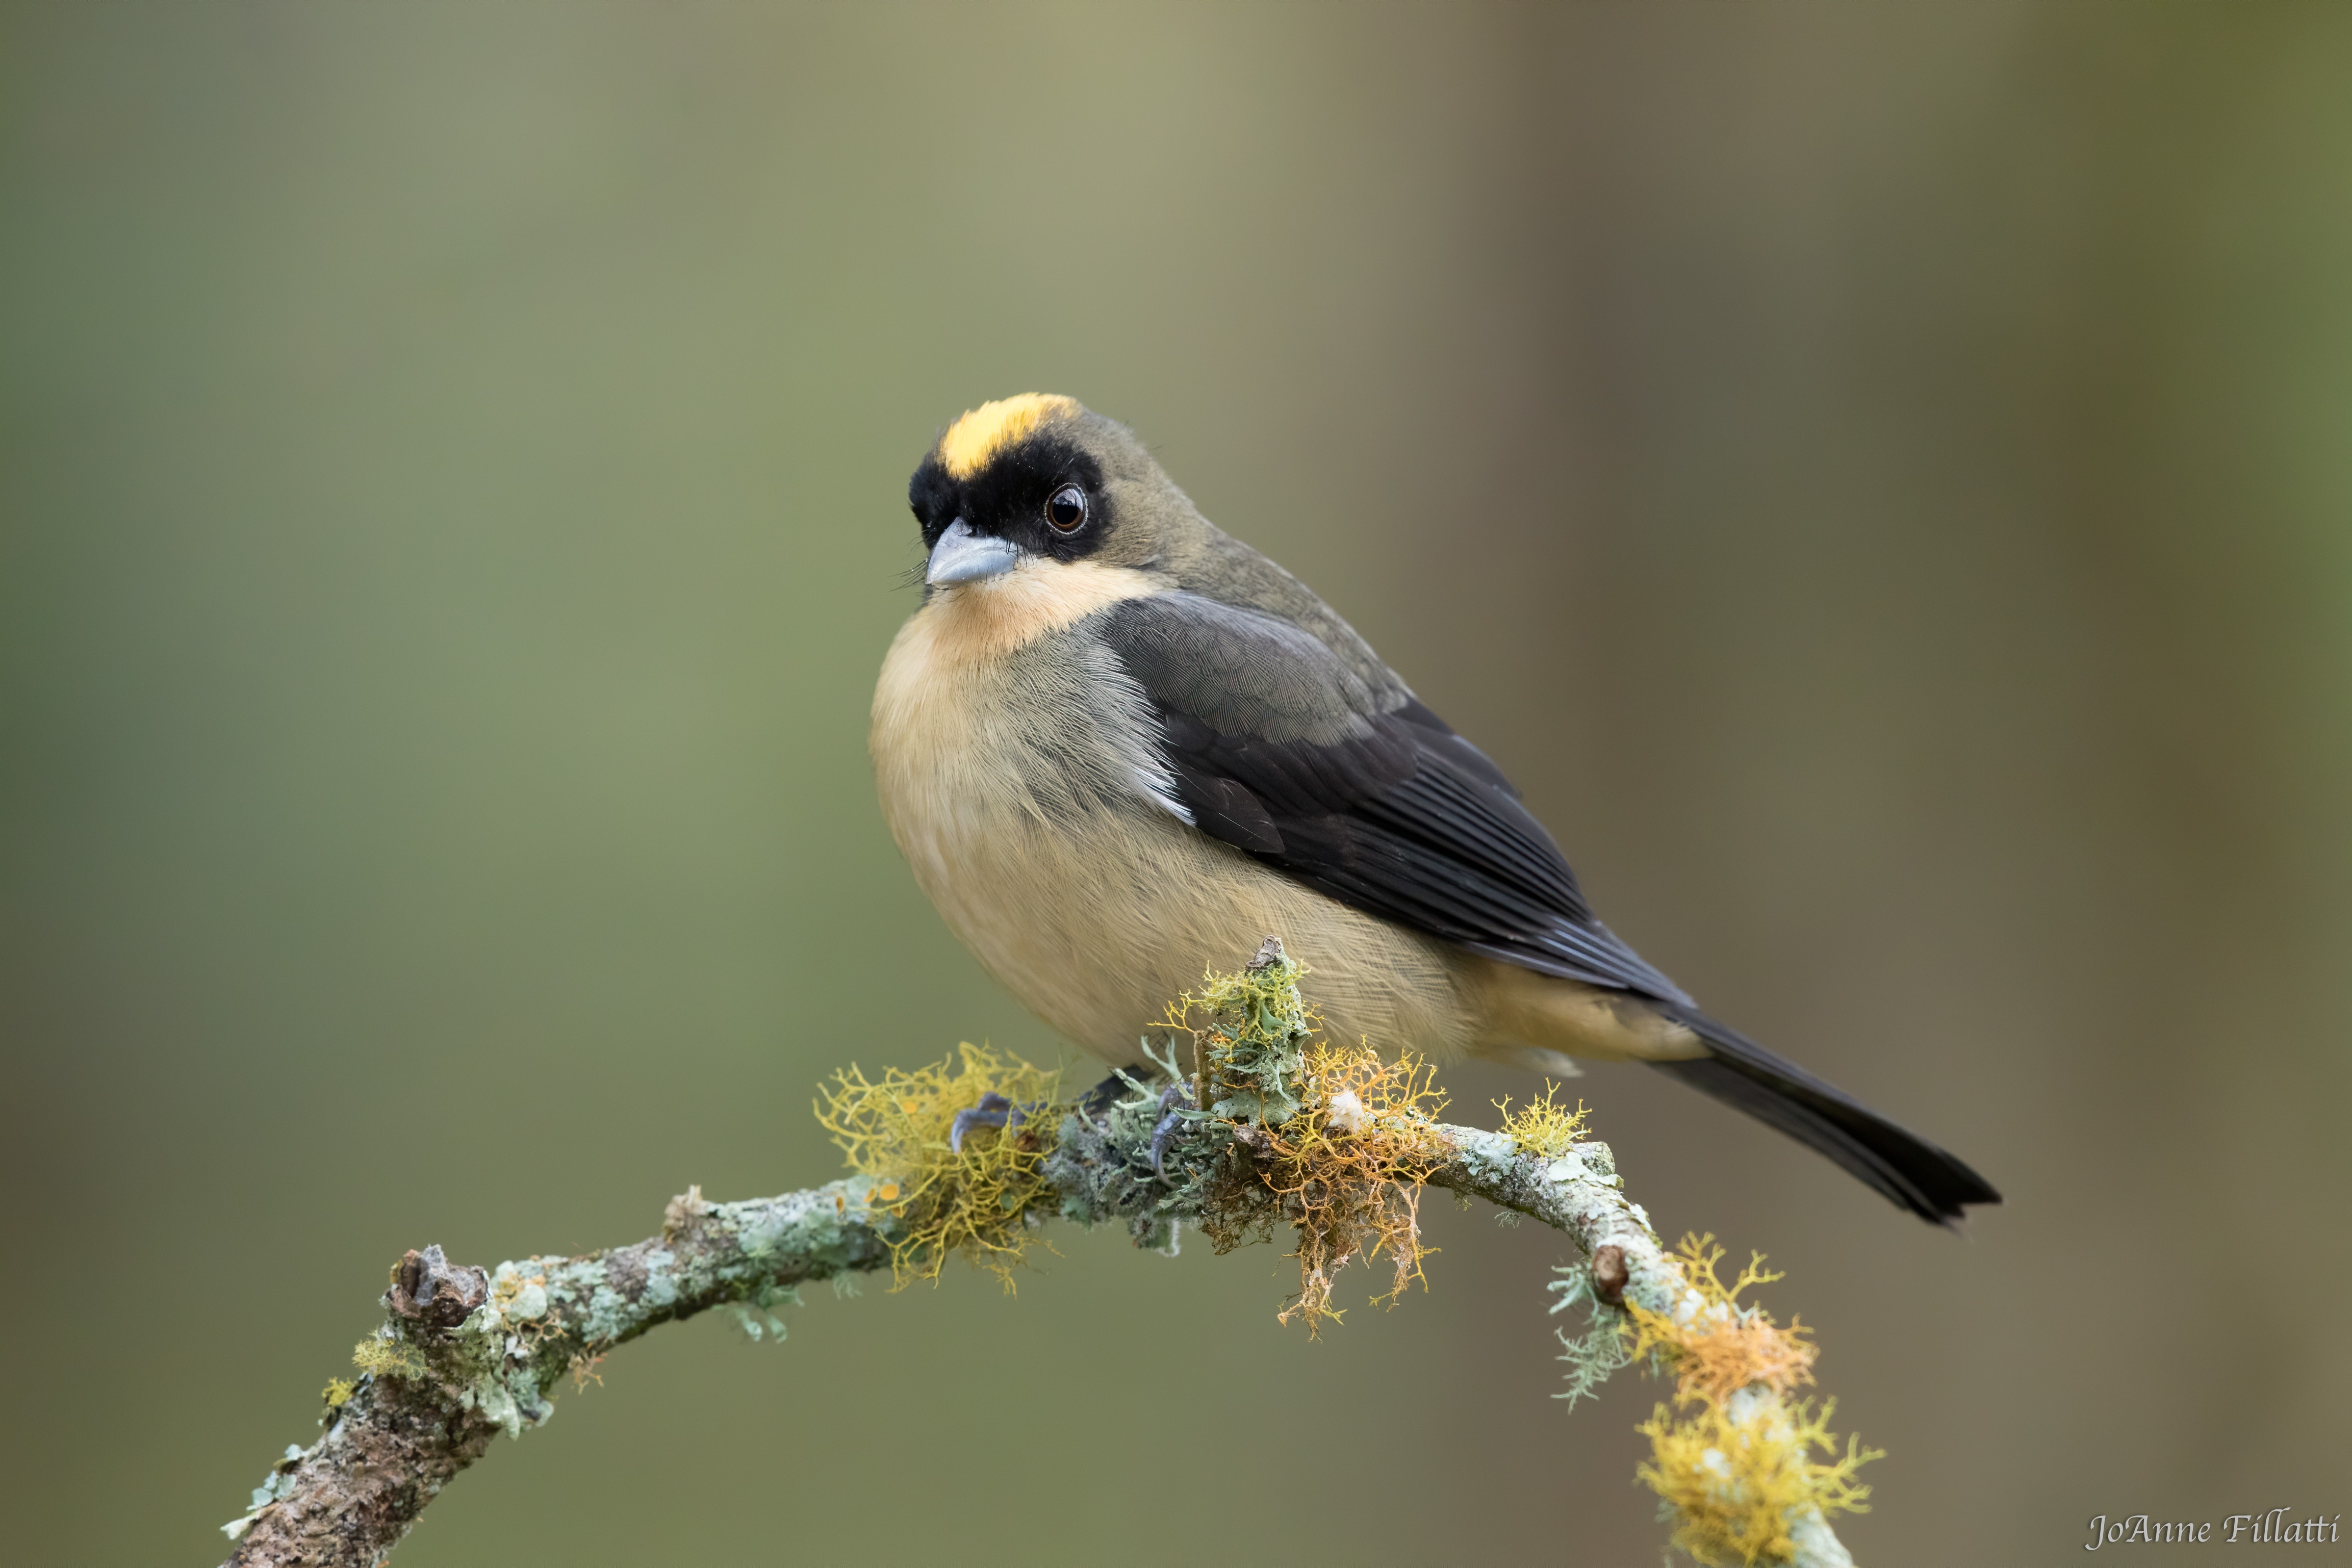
(1911, 1172)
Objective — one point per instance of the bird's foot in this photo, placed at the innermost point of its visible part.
(1174, 1100)
(993, 1111)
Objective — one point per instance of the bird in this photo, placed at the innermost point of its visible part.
(1116, 743)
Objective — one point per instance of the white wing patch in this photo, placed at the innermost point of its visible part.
(1159, 787)
(1128, 726)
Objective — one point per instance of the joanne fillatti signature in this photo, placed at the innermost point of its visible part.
(2277, 1526)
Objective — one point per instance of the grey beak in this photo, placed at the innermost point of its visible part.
(962, 556)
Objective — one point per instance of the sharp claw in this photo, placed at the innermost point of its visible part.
(1172, 1117)
(1159, 1136)
(990, 1111)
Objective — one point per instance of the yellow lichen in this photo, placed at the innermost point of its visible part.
(388, 1358)
(1542, 1127)
(976, 1202)
(338, 1392)
(1733, 1456)
(1736, 1486)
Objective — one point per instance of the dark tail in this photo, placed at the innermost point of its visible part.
(1913, 1173)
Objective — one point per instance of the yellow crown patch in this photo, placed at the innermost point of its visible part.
(992, 427)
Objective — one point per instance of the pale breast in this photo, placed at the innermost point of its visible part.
(1023, 787)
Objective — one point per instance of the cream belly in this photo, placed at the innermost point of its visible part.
(1098, 924)
(1017, 769)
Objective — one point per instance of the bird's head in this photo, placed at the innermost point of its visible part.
(1030, 481)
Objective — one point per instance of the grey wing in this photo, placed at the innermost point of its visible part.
(1354, 788)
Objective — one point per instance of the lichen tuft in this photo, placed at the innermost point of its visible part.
(384, 1356)
(1738, 1479)
(1255, 1029)
(1543, 1128)
(976, 1201)
(1732, 1456)
(1594, 1355)
(1332, 1140)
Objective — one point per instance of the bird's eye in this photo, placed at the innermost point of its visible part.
(1067, 509)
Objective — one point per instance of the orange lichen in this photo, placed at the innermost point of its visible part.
(1733, 1456)
(1332, 1140)
(1346, 1172)
(1715, 1347)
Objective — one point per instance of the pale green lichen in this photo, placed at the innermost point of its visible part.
(1253, 1029)
(756, 1324)
(274, 1488)
(1101, 1165)
(1599, 1351)
(1488, 1158)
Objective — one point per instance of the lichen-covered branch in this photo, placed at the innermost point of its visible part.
(1335, 1144)
(464, 1355)
(1718, 1492)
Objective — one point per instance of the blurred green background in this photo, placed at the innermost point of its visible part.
(1877, 476)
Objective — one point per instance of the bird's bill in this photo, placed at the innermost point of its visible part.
(963, 555)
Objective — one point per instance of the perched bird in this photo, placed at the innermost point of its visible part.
(1117, 745)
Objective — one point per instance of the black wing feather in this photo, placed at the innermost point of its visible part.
(1277, 747)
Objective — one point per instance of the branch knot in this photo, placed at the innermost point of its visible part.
(427, 1288)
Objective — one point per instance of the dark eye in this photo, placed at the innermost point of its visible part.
(1067, 509)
